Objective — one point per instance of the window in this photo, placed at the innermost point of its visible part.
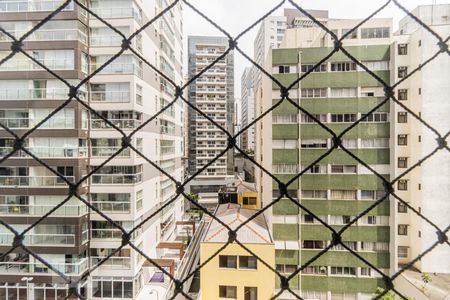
(343, 67)
(402, 117)
(374, 246)
(343, 118)
(309, 219)
(343, 169)
(372, 195)
(402, 185)
(366, 271)
(343, 92)
(317, 270)
(313, 244)
(285, 144)
(226, 291)
(352, 35)
(402, 94)
(402, 71)
(286, 269)
(139, 198)
(402, 162)
(314, 93)
(349, 271)
(339, 247)
(285, 119)
(402, 229)
(138, 94)
(250, 293)
(402, 49)
(372, 220)
(249, 200)
(340, 220)
(343, 195)
(380, 65)
(375, 117)
(316, 169)
(402, 252)
(350, 143)
(402, 208)
(420, 43)
(286, 69)
(402, 139)
(248, 262)
(374, 33)
(307, 119)
(313, 144)
(375, 143)
(314, 194)
(308, 67)
(228, 261)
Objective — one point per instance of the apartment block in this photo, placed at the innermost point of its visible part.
(76, 141)
(336, 189)
(425, 93)
(213, 93)
(248, 109)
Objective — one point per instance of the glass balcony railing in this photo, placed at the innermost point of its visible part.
(111, 96)
(120, 68)
(48, 35)
(15, 123)
(106, 40)
(40, 210)
(40, 239)
(112, 206)
(109, 151)
(117, 13)
(39, 268)
(30, 6)
(34, 181)
(37, 94)
(29, 65)
(120, 123)
(116, 178)
(58, 152)
(52, 123)
(106, 234)
(112, 262)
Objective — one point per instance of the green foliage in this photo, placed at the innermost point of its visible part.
(390, 295)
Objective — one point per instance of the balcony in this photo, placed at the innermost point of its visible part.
(40, 239)
(106, 234)
(112, 206)
(48, 35)
(117, 13)
(120, 123)
(114, 262)
(34, 181)
(107, 179)
(38, 268)
(35, 6)
(46, 152)
(29, 65)
(37, 94)
(109, 151)
(40, 210)
(120, 68)
(111, 96)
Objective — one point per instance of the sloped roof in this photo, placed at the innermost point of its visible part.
(254, 232)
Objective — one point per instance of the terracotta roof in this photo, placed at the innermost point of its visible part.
(254, 232)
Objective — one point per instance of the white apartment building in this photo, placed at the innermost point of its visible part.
(248, 109)
(426, 93)
(213, 93)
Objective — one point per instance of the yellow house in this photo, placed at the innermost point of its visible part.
(242, 193)
(234, 273)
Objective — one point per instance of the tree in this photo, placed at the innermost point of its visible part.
(388, 296)
(426, 278)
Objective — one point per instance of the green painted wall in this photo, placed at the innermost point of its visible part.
(353, 233)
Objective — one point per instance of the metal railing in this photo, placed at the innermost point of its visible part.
(40, 210)
(50, 239)
(35, 181)
(36, 268)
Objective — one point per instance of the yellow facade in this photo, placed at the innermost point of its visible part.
(212, 276)
(254, 195)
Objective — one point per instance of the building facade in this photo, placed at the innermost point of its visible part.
(337, 188)
(75, 141)
(248, 109)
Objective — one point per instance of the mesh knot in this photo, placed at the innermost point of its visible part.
(443, 46)
(18, 241)
(18, 144)
(284, 283)
(337, 45)
(442, 237)
(336, 141)
(72, 189)
(231, 236)
(73, 92)
(336, 239)
(232, 44)
(282, 188)
(178, 91)
(16, 46)
(125, 44)
(125, 239)
(231, 142)
(442, 143)
(178, 286)
(284, 93)
(388, 188)
(388, 92)
(388, 282)
(126, 142)
(180, 187)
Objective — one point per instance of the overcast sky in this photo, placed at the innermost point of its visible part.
(236, 15)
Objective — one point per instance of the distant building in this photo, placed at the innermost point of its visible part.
(234, 272)
(240, 192)
(248, 109)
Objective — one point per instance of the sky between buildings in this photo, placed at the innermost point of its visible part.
(236, 15)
